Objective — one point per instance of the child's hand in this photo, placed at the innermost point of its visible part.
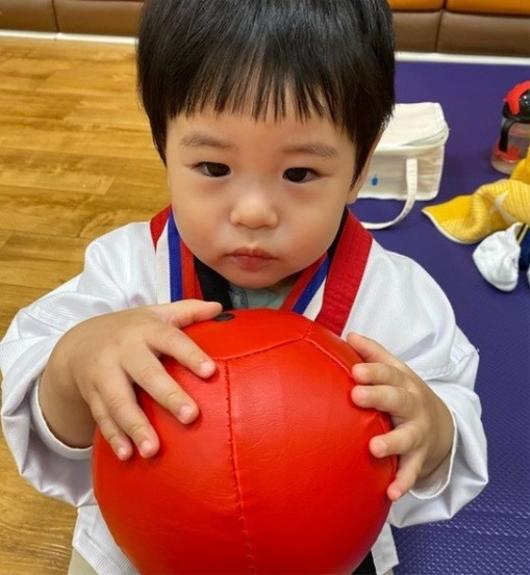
(97, 362)
(423, 433)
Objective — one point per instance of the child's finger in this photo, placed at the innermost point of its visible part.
(120, 402)
(371, 351)
(175, 343)
(146, 370)
(185, 312)
(397, 401)
(399, 441)
(378, 374)
(406, 476)
(111, 432)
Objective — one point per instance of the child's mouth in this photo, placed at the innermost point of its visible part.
(251, 259)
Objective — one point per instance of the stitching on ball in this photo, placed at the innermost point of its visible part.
(241, 355)
(237, 482)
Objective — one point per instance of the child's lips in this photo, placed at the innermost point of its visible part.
(251, 259)
(253, 253)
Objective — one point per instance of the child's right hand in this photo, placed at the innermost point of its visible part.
(90, 375)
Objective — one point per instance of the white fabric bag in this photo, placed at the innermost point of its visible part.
(407, 163)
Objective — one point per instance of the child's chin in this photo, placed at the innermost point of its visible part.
(271, 283)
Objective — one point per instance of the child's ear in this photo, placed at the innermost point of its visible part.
(358, 184)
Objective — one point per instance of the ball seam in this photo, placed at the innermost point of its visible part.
(237, 481)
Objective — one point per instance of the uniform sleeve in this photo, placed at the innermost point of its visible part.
(464, 474)
(106, 284)
(401, 306)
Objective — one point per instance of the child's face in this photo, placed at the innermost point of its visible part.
(258, 201)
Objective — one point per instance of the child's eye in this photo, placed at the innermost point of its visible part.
(299, 175)
(213, 169)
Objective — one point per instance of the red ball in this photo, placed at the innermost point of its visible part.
(275, 475)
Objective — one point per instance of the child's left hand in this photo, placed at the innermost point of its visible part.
(423, 432)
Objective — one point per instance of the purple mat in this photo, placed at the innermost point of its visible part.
(491, 535)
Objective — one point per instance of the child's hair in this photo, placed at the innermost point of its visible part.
(334, 58)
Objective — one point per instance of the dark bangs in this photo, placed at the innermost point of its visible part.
(331, 58)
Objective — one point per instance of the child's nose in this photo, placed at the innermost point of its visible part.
(254, 209)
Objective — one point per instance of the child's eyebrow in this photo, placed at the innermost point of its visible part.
(200, 139)
(314, 149)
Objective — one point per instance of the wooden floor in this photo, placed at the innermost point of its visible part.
(76, 160)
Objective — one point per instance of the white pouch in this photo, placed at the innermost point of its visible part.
(407, 163)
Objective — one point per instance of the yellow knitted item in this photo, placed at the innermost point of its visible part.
(493, 207)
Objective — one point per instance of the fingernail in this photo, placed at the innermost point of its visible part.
(206, 368)
(380, 447)
(122, 453)
(185, 413)
(145, 448)
(358, 371)
(360, 395)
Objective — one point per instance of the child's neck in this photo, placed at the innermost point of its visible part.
(271, 297)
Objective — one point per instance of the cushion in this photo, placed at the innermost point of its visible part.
(416, 5)
(512, 7)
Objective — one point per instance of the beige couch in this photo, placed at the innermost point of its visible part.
(109, 17)
(498, 27)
